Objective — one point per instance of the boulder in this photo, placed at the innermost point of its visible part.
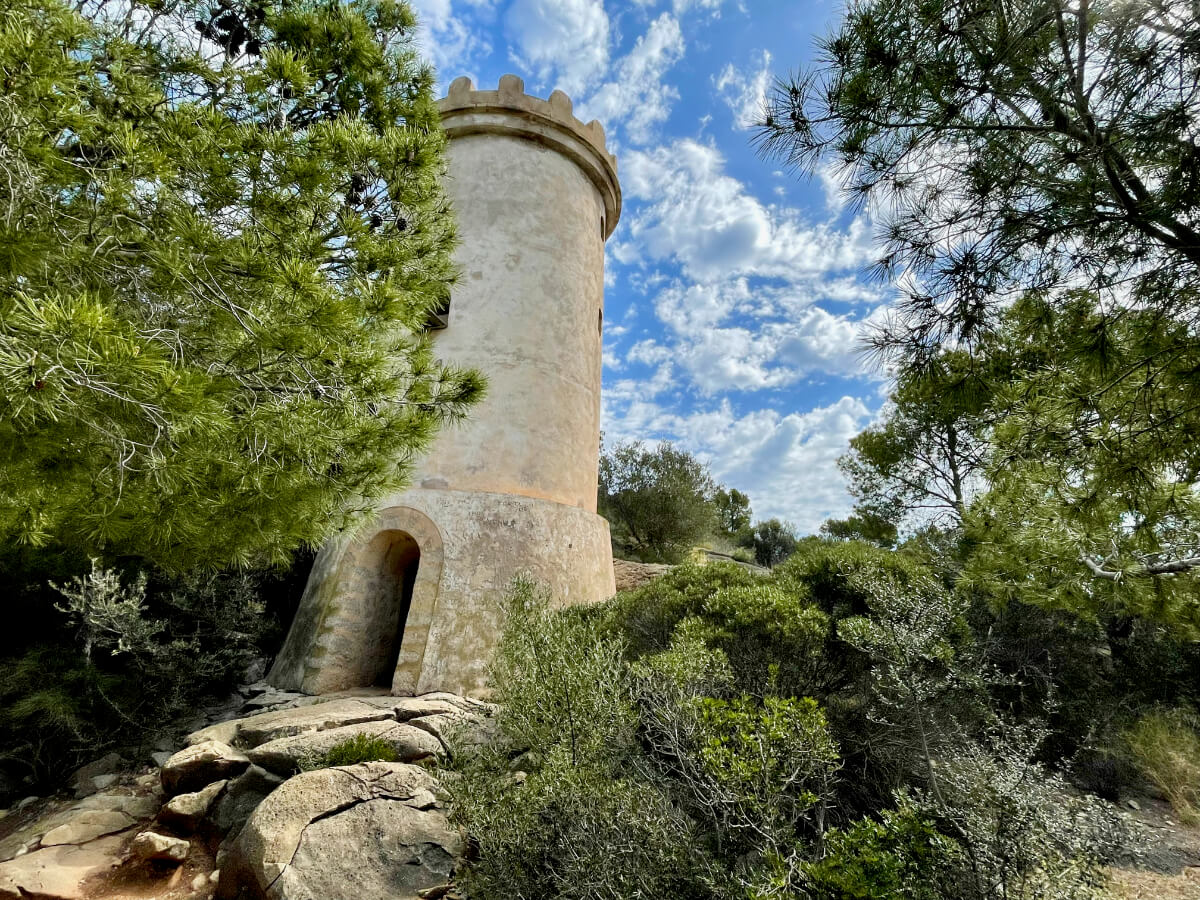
(136, 806)
(87, 825)
(201, 764)
(241, 798)
(186, 811)
(271, 726)
(474, 727)
(272, 698)
(58, 873)
(370, 830)
(225, 732)
(100, 782)
(81, 780)
(283, 755)
(151, 845)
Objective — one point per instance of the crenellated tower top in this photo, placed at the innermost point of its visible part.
(552, 123)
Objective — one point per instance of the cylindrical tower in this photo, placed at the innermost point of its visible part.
(413, 601)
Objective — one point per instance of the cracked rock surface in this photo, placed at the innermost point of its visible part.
(370, 830)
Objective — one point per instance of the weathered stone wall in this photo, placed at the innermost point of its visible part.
(514, 488)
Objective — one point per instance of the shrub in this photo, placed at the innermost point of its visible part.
(114, 658)
(901, 856)
(360, 748)
(560, 679)
(572, 831)
(1165, 746)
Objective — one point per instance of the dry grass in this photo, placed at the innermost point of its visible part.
(1135, 884)
(1166, 747)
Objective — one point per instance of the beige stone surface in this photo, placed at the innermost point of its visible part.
(412, 602)
(343, 832)
(201, 764)
(58, 872)
(187, 810)
(256, 730)
(166, 847)
(87, 825)
(284, 754)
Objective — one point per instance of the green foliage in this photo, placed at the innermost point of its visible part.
(774, 541)
(572, 832)
(900, 856)
(1022, 830)
(659, 501)
(696, 775)
(767, 764)
(924, 459)
(1065, 144)
(560, 680)
(358, 749)
(1165, 746)
(1086, 492)
(733, 512)
(120, 658)
(222, 229)
(863, 526)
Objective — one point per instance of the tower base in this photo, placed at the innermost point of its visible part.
(413, 602)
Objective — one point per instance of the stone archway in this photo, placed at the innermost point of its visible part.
(391, 562)
(376, 623)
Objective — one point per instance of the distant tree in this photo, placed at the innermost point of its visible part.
(221, 230)
(659, 501)
(774, 541)
(862, 527)
(733, 512)
(925, 457)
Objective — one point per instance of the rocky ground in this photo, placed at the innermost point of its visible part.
(230, 816)
(225, 814)
(1167, 867)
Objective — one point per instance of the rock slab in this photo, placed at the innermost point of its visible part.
(58, 872)
(192, 768)
(370, 830)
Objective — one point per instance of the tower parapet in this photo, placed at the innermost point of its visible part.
(509, 110)
(411, 602)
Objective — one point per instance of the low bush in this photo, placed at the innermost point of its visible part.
(1165, 746)
(360, 748)
(104, 659)
(658, 745)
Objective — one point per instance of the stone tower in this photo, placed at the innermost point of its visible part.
(411, 601)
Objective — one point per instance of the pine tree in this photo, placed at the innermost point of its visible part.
(221, 232)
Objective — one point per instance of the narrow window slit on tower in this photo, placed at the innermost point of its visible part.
(600, 322)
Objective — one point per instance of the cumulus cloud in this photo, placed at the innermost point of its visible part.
(787, 463)
(446, 40)
(730, 336)
(636, 96)
(744, 90)
(695, 214)
(564, 42)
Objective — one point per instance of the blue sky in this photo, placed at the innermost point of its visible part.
(736, 292)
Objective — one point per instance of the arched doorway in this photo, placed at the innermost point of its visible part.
(392, 559)
(365, 617)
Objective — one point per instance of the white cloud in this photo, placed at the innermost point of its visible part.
(730, 336)
(445, 38)
(564, 42)
(744, 90)
(695, 214)
(787, 463)
(636, 96)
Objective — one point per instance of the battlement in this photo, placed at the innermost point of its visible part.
(552, 123)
